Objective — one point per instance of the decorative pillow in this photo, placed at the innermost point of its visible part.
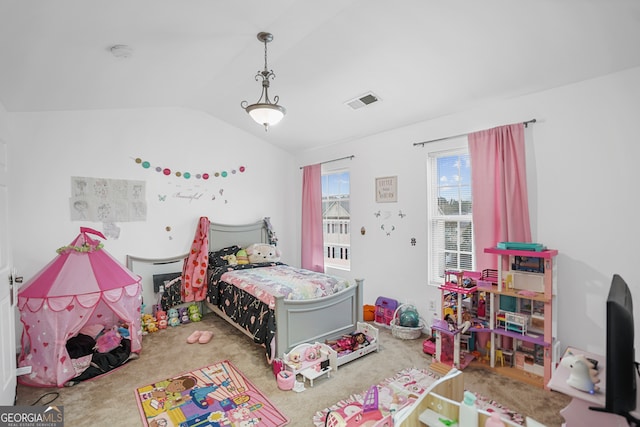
(262, 252)
(108, 341)
(217, 258)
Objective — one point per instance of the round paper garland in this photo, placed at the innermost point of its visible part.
(187, 175)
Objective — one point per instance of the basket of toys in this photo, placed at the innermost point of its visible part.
(407, 323)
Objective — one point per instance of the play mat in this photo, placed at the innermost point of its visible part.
(216, 395)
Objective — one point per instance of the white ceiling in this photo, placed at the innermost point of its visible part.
(423, 58)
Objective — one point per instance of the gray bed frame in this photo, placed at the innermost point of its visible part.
(297, 322)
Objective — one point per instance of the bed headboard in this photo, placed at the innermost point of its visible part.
(224, 235)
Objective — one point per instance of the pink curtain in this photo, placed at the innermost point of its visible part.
(499, 188)
(312, 244)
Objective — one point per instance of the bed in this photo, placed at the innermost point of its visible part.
(293, 322)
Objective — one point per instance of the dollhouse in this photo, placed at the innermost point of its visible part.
(511, 315)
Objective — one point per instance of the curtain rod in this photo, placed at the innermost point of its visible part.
(526, 124)
(334, 160)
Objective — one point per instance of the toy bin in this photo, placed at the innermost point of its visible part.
(385, 310)
(369, 313)
(286, 380)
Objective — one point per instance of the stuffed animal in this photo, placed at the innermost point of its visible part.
(183, 313)
(174, 317)
(583, 375)
(241, 257)
(123, 330)
(262, 252)
(149, 323)
(231, 259)
(161, 318)
(194, 313)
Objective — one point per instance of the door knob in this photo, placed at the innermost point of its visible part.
(16, 279)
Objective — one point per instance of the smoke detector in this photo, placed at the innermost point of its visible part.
(121, 50)
(362, 101)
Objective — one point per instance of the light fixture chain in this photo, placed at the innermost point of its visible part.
(265, 55)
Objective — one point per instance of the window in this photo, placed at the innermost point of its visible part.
(336, 218)
(450, 214)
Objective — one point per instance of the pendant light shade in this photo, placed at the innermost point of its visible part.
(265, 112)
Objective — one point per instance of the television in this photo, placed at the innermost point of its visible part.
(620, 364)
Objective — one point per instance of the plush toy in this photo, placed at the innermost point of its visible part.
(294, 359)
(174, 319)
(583, 376)
(194, 313)
(149, 323)
(231, 259)
(262, 252)
(241, 257)
(123, 330)
(183, 314)
(161, 317)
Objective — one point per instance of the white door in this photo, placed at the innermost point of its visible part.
(8, 292)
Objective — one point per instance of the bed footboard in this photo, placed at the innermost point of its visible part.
(318, 320)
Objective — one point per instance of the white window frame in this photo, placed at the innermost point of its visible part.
(339, 228)
(436, 241)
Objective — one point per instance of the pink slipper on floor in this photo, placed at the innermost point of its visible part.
(194, 337)
(205, 337)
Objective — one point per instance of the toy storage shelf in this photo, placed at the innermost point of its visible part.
(520, 271)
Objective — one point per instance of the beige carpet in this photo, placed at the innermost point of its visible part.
(110, 401)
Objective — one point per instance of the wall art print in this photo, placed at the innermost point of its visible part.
(107, 200)
(387, 189)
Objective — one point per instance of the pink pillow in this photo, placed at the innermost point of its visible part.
(108, 341)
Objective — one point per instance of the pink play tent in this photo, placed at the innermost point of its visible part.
(83, 285)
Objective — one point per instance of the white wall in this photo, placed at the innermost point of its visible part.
(49, 148)
(581, 166)
(582, 160)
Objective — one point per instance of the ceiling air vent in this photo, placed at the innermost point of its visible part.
(362, 101)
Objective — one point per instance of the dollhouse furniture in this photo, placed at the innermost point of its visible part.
(577, 413)
(303, 360)
(373, 344)
(526, 279)
(311, 361)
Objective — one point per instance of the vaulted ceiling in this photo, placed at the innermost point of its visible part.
(421, 58)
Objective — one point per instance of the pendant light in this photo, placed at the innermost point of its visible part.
(264, 112)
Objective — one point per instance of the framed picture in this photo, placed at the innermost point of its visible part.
(387, 189)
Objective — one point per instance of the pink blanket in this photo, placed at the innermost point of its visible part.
(267, 283)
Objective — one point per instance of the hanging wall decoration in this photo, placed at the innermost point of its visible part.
(387, 221)
(387, 189)
(168, 171)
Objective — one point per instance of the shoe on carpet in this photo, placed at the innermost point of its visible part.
(194, 337)
(205, 337)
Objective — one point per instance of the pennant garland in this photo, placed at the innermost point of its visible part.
(187, 175)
